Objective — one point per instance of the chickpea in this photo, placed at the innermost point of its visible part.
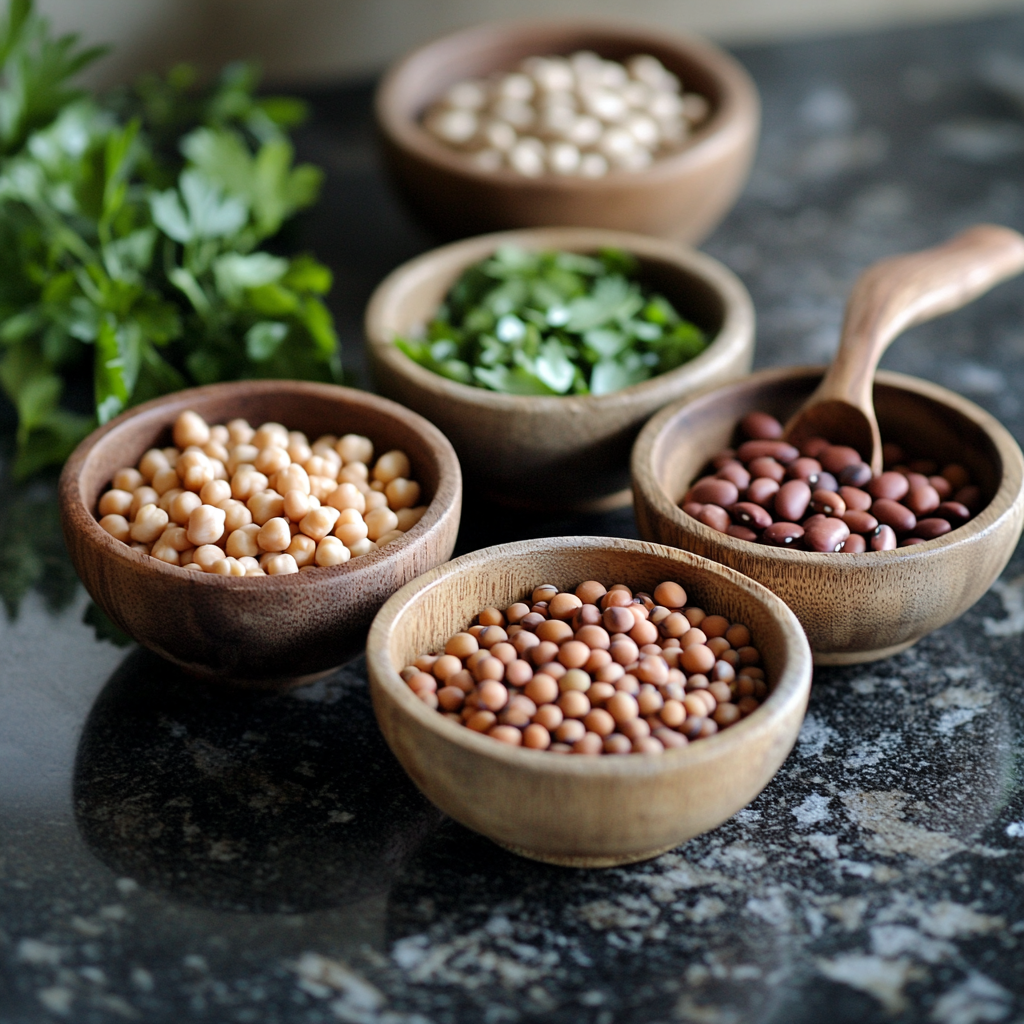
(280, 565)
(264, 506)
(247, 482)
(241, 455)
(296, 505)
(362, 547)
(228, 567)
(331, 551)
(379, 522)
(148, 524)
(243, 542)
(206, 525)
(183, 505)
(236, 515)
(272, 459)
(292, 477)
(271, 434)
(375, 500)
(302, 549)
(115, 502)
(402, 493)
(190, 428)
(319, 523)
(142, 496)
(357, 473)
(206, 554)
(127, 479)
(275, 536)
(346, 496)
(389, 537)
(152, 462)
(117, 526)
(392, 465)
(354, 448)
(164, 553)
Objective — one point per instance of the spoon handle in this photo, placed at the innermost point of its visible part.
(902, 291)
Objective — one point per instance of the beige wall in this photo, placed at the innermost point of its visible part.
(309, 41)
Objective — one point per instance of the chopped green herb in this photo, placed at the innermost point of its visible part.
(554, 323)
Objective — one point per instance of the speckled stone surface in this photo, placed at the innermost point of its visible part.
(172, 853)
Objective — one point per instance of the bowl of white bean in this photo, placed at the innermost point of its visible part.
(576, 123)
(250, 531)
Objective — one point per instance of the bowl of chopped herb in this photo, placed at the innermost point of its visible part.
(541, 353)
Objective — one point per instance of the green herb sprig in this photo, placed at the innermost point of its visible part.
(554, 323)
(131, 229)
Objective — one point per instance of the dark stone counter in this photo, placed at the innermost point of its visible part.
(172, 853)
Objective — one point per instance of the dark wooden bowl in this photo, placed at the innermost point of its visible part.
(854, 608)
(569, 451)
(576, 810)
(265, 629)
(682, 196)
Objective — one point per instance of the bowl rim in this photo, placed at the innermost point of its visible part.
(738, 103)
(791, 688)
(78, 517)
(737, 322)
(648, 487)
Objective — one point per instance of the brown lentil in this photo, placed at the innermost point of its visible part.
(645, 680)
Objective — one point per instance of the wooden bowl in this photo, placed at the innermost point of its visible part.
(264, 629)
(576, 810)
(682, 196)
(854, 608)
(565, 450)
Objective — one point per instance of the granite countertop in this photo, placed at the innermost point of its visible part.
(170, 853)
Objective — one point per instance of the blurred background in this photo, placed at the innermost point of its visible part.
(306, 42)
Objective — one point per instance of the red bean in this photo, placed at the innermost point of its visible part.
(783, 535)
(746, 513)
(716, 517)
(693, 508)
(856, 499)
(779, 450)
(883, 539)
(969, 496)
(767, 466)
(922, 499)
(759, 426)
(813, 447)
(826, 482)
(954, 512)
(892, 513)
(724, 456)
(929, 529)
(925, 466)
(859, 522)
(741, 533)
(714, 492)
(827, 535)
(889, 485)
(855, 476)
(828, 503)
(908, 542)
(836, 457)
(762, 491)
(735, 473)
(855, 544)
(792, 500)
(942, 486)
(804, 469)
(891, 453)
(957, 476)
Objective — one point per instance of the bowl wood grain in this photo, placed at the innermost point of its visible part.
(583, 811)
(265, 629)
(854, 607)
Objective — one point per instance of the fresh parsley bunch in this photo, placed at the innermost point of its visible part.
(554, 323)
(130, 235)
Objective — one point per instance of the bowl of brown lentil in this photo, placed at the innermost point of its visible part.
(537, 786)
(592, 123)
(856, 605)
(558, 450)
(275, 586)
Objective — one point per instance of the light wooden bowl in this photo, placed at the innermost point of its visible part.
(854, 608)
(682, 196)
(569, 451)
(260, 630)
(576, 810)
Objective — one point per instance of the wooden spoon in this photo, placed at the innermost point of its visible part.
(889, 297)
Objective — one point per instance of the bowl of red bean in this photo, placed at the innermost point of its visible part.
(250, 531)
(588, 701)
(869, 562)
(574, 122)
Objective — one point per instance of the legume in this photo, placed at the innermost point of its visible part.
(225, 496)
(597, 670)
(823, 497)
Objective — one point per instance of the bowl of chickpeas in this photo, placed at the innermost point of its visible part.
(588, 701)
(574, 122)
(250, 531)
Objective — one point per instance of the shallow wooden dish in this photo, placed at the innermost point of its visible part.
(570, 451)
(854, 608)
(575, 810)
(682, 196)
(266, 629)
